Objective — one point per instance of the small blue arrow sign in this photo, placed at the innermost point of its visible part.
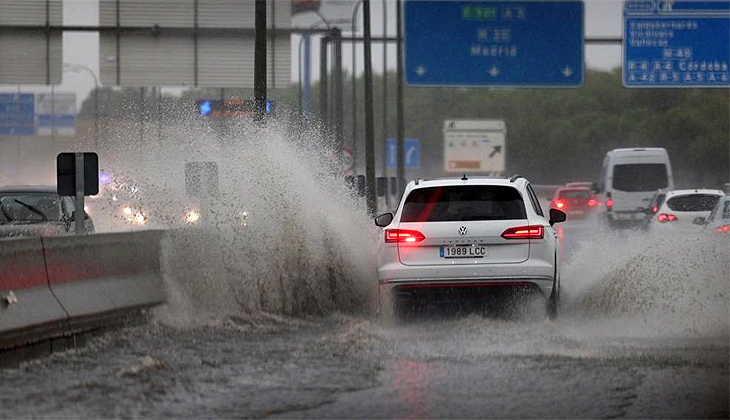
(412, 149)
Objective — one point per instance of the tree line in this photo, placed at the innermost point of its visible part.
(554, 135)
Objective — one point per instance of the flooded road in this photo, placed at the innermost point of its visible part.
(643, 333)
(350, 367)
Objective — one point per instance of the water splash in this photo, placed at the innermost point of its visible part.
(284, 235)
(652, 284)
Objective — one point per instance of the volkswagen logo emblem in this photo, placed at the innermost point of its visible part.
(462, 230)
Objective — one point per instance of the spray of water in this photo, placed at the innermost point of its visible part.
(284, 235)
(645, 284)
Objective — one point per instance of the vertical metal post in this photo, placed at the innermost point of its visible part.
(259, 88)
(353, 111)
(79, 214)
(53, 115)
(337, 87)
(385, 97)
(307, 78)
(159, 116)
(323, 103)
(96, 115)
(141, 117)
(400, 122)
(369, 128)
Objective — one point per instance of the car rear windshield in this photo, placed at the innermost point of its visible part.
(30, 207)
(462, 203)
(574, 194)
(640, 177)
(693, 202)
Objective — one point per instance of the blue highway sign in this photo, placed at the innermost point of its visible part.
(412, 151)
(676, 43)
(494, 43)
(17, 114)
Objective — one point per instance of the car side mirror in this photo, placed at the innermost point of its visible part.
(699, 221)
(557, 216)
(384, 219)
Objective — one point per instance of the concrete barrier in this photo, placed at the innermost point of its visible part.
(58, 286)
(104, 274)
(28, 309)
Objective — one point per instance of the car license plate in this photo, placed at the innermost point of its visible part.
(463, 251)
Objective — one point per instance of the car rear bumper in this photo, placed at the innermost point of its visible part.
(526, 274)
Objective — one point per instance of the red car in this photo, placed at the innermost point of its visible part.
(575, 202)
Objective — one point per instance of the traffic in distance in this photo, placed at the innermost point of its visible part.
(476, 238)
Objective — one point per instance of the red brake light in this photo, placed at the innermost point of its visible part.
(523, 232)
(664, 217)
(559, 204)
(402, 235)
(654, 209)
(609, 203)
(592, 202)
(723, 229)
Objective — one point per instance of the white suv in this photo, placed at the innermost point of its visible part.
(449, 236)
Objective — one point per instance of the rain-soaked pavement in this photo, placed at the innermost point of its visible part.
(643, 333)
(350, 367)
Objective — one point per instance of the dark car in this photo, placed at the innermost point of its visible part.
(36, 211)
(575, 202)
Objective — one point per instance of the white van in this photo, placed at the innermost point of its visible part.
(629, 179)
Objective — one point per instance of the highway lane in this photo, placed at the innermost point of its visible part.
(622, 348)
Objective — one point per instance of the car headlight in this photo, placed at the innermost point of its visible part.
(192, 216)
(127, 210)
(139, 219)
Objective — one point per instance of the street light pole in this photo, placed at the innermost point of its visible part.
(369, 129)
(81, 67)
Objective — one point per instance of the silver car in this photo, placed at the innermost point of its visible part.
(36, 211)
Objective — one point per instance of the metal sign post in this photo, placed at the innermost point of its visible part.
(77, 176)
(79, 213)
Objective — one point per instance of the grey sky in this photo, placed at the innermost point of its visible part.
(603, 18)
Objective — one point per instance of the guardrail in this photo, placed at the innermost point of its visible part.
(58, 286)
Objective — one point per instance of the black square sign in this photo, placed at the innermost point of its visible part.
(66, 174)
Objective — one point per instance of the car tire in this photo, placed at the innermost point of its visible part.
(552, 307)
(553, 302)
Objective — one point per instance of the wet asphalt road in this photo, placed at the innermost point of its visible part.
(602, 358)
(350, 367)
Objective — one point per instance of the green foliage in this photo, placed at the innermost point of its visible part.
(561, 135)
(554, 135)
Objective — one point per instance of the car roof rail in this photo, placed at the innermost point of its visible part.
(515, 177)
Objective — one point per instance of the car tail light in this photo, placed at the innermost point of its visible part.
(609, 203)
(664, 217)
(402, 235)
(592, 202)
(654, 209)
(523, 232)
(723, 229)
(559, 204)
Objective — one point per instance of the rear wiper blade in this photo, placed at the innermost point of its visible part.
(33, 209)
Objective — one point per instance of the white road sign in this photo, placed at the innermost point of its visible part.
(474, 146)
